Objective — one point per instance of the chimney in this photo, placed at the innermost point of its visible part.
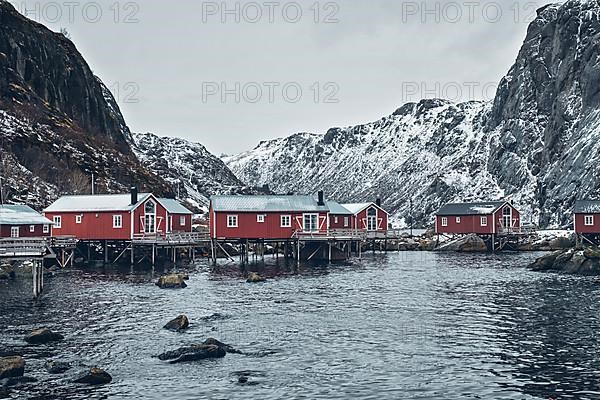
(378, 202)
(321, 198)
(134, 195)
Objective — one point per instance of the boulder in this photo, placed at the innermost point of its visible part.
(560, 243)
(11, 367)
(4, 393)
(57, 367)
(427, 245)
(95, 376)
(193, 353)
(43, 336)
(575, 262)
(253, 277)
(226, 347)
(466, 244)
(546, 262)
(178, 324)
(172, 281)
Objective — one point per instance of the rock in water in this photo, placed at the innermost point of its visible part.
(253, 277)
(178, 324)
(43, 336)
(193, 353)
(57, 367)
(11, 367)
(226, 347)
(172, 281)
(466, 244)
(574, 261)
(95, 376)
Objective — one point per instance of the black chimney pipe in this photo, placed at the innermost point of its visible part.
(378, 202)
(321, 198)
(134, 195)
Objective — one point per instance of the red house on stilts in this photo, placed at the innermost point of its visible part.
(484, 218)
(20, 221)
(586, 220)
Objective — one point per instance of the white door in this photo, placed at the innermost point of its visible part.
(372, 219)
(150, 217)
(507, 219)
(14, 232)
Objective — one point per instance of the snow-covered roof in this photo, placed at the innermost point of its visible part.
(21, 215)
(99, 202)
(483, 208)
(173, 206)
(355, 208)
(337, 208)
(587, 207)
(266, 204)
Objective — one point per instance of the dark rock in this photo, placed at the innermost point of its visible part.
(243, 379)
(576, 262)
(17, 381)
(57, 367)
(178, 324)
(193, 353)
(4, 393)
(43, 336)
(546, 262)
(95, 376)
(172, 281)
(253, 277)
(560, 243)
(226, 347)
(12, 367)
(466, 244)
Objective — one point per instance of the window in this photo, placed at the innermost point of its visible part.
(232, 221)
(78, 219)
(458, 220)
(444, 221)
(14, 232)
(346, 221)
(286, 221)
(31, 228)
(484, 221)
(311, 222)
(57, 221)
(589, 220)
(150, 207)
(46, 228)
(335, 220)
(117, 221)
(182, 220)
(260, 218)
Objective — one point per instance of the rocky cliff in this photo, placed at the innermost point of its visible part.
(536, 143)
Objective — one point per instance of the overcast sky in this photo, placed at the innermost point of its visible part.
(353, 61)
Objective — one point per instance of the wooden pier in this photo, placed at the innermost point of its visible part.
(29, 249)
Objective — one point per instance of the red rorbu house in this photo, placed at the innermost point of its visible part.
(587, 217)
(368, 216)
(117, 216)
(20, 221)
(488, 218)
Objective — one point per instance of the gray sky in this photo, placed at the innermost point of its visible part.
(354, 61)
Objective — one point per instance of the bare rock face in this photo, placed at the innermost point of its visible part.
(178, 324)
(11, 367)
(43, 336)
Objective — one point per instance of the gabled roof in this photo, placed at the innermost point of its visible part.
(266, 204)
(481, 208)
(173, 206)
(337, 208)
(21, 215)
(356, 208)
(99, 202)
(587, 207)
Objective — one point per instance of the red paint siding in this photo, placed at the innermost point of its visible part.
(580, 226)
(24, 231)
(93, 226)
(340, 221)
(360, 220)
(472, 223)
(177, 226)
(161, 218)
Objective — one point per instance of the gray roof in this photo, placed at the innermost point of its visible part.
(482, 208)
(266, 204)
(587, 207)
(21, 215)
(173, 206)
(337, 208)
(355, 208)
(99, 202)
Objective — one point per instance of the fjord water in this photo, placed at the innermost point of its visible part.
(392, 326)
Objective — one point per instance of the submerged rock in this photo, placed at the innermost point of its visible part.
(193, 353)
(43, 336)
(573, 261)
(57, 367)
(172, 281)
(95, 376)
(253, 277)
(178, 324)
(11, 367)
(224, 346)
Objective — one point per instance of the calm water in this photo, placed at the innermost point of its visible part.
(396, 326)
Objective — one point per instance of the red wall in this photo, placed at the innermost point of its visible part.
(580, 224)
(94, 226)
(249, 228)
(340, 223)
(472, 223)
(23, 231)
(382, 219)
(161, 218)
(177, 227)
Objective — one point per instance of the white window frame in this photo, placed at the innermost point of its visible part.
(458, 220)
(285, 221)
(232, 221)
(346, 222)
(117, 221)
(335, 220)
(31, 228)
(588, 220)
(46, 228)
(260, 218)
(14, 229)
(484, 221)
(182, 220)
(78, 219)
(57, 221)
(312, 217)
(445, 221)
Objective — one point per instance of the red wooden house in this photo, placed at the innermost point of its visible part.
(340, 217)
(587, 217)
(117, 216)
(485, 218)
(368, 216)
(19, 221)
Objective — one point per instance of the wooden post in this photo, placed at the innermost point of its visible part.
(106, 252)
(153, 255)
(329, 253)
(132, 255)
(298, 251)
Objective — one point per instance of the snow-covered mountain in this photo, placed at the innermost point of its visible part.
(537, 143)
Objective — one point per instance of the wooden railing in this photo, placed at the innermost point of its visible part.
(173, 238)
(24, 247)
(65, 242)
